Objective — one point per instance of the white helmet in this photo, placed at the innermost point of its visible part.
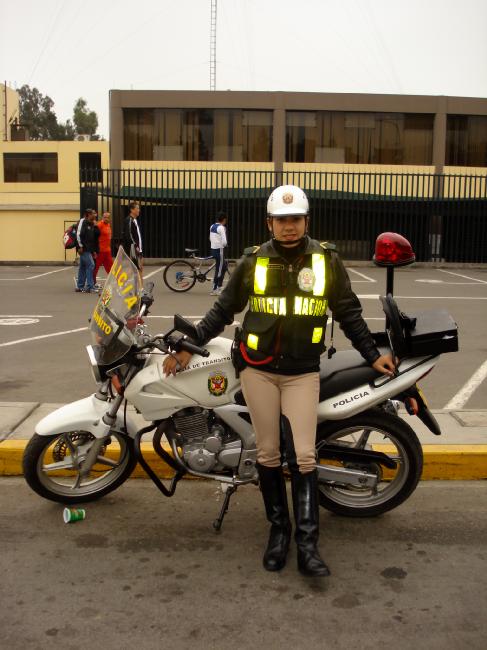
(287, 200)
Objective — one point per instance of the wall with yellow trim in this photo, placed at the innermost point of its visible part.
(33, 215)
(403, 180)
(35, 236)
(187, 174)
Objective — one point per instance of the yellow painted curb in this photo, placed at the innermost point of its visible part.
(441, 462)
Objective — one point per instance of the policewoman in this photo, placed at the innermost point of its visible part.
(289, 284)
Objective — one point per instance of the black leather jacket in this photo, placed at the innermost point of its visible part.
(342, 301)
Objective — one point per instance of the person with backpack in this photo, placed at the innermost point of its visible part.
(87, 250)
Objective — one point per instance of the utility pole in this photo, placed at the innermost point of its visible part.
(213, 44)
(5, 135)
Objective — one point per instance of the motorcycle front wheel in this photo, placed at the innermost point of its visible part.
(379, 431)
(52, 466)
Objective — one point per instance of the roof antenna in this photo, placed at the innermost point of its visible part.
(213, 44)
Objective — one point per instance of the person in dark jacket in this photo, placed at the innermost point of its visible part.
(131, 238)
(87, 248)
(289, 283)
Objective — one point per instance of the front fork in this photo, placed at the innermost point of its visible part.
(109, 420)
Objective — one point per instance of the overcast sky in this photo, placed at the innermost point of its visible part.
(69, 48)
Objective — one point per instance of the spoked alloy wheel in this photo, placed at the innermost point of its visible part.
(52, 466)
(378, 431)
(179, 276)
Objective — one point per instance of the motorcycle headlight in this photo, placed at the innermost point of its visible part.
(94, 364)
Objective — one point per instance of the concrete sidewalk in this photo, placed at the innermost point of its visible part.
(459, 453)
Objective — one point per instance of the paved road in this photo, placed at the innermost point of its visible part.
(55, 369)
(143, 571)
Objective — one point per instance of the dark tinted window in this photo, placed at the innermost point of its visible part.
(198, 134)
(90, 166)
(30, 167)
(356, 137)
(466, 140)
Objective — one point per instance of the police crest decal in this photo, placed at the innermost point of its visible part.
(217, 383)
(306, 279)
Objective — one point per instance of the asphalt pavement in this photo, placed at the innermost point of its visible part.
(149, 572)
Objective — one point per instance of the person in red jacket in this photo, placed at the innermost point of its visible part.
(105, 245)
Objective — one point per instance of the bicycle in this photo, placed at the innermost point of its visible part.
(181, 275)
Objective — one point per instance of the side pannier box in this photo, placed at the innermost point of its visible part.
(434, 332)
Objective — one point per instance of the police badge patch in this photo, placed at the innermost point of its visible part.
(106, 296)
(306, 279)
(217, 383)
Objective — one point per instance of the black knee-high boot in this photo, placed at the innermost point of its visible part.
(306, 514)
(273, 487)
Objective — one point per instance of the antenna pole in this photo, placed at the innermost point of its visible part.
(213, 44)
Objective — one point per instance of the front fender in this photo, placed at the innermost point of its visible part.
(83, 415)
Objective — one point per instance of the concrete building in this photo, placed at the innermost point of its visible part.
(40, 195)
(287, 130)
(9, 111)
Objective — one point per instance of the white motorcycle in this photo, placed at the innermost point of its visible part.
(368, 459)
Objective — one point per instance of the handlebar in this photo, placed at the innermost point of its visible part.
(194, 349)
(180, 343)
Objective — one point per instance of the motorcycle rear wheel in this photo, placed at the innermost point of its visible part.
(49, 464)
(380, 431)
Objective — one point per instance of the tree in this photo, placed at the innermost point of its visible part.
(66, 131)
(85, 121)
(36, 112)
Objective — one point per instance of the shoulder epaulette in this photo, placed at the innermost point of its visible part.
(327, 245)
(251, 250)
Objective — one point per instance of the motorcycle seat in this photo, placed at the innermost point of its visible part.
(344, 371)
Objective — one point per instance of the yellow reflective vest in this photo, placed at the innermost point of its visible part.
(288, 303)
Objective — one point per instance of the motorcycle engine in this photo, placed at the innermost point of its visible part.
(206, 443)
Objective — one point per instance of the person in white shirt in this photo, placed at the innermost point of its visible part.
(218, 242)
(132, 238)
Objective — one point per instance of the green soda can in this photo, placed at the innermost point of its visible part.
(71, 515)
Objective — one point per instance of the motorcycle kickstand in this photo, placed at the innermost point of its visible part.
(217, 524)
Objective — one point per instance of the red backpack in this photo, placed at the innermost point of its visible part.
(69, 237)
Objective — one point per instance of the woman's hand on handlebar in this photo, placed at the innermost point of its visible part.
(385, 364)
(176, 361)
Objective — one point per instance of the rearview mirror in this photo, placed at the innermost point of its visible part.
(185, 327)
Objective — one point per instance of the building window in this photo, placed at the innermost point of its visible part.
(359, 138)
(90, 167)
(30, 167)
(466, 140)
(198, 134)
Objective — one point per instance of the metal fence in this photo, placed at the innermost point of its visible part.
(443, 216)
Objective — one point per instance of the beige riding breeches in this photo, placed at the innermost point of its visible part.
(295, 396)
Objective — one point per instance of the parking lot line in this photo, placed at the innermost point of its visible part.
(372, 296)
(467, 277)
(146, 277)
(362, 275)
(459, 400)
(33, 277)
(42, 336)
(24, 316)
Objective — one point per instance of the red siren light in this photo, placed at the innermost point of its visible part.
(392, 249)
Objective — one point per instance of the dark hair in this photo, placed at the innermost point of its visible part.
(133, 204)
(220, 215)
(88, 211)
